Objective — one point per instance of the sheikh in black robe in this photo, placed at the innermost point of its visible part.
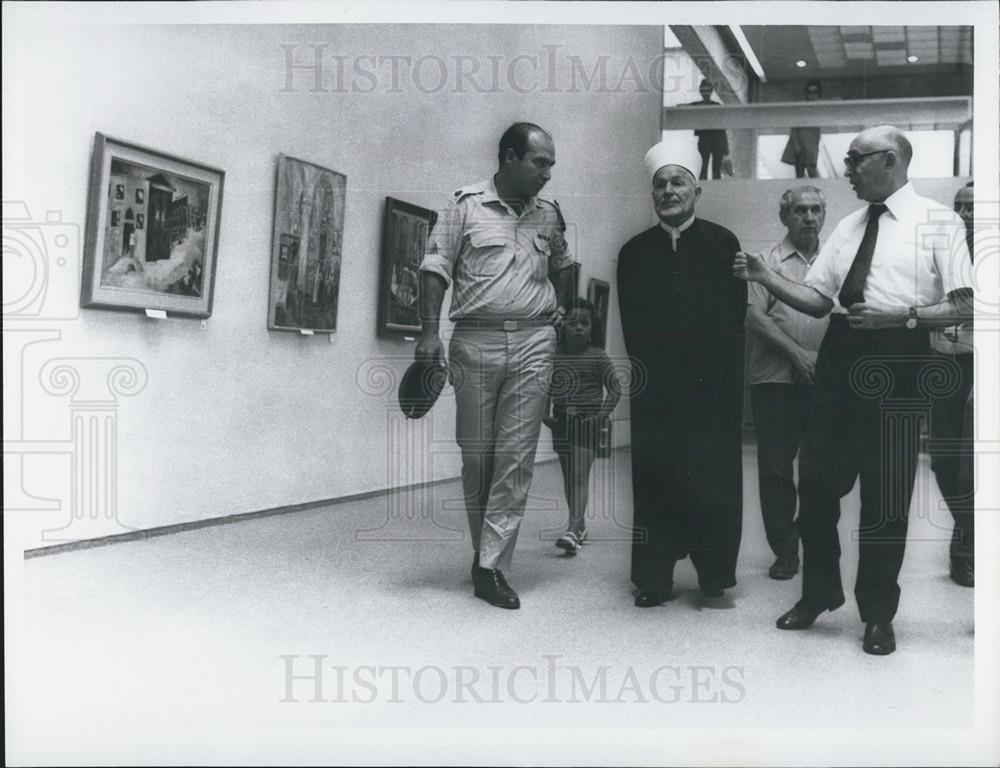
(682, 315)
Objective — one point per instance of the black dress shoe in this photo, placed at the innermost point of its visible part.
(963, 572)
(802, 615)
(880, 640)
(712, 591)
(649, 599)
(490, 585)
(784, 568)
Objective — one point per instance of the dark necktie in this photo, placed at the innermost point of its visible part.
(853, 289)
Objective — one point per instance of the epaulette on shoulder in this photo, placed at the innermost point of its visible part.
(473, 189)
(549, 201)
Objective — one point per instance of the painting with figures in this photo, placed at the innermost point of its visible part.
(307, 247)
(152, 231)
(404, 238)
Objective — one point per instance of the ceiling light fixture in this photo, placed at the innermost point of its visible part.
(800, 64)
(913, 59)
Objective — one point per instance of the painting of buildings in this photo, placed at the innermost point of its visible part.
(157, 243)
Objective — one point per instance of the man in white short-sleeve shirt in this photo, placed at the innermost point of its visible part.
(894, 270)
(782, 365)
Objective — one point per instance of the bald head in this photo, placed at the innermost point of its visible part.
(890, 137)
(878, 161)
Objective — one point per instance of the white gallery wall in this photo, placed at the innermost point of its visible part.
(224, 417)
(227, 417)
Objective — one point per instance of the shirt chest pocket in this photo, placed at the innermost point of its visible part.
(540, 252)
(489, 253)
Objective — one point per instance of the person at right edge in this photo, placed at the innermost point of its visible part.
(898, 268)
(951, 445)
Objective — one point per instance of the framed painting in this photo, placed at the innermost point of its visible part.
(404, 239)
(152, 231)
(599, 294)
(567, 284)
(306, 247)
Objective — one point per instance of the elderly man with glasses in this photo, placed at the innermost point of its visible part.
(898, 268)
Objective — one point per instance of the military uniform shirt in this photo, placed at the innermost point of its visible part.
(498, 261)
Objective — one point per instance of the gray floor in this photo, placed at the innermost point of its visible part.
(135, 647)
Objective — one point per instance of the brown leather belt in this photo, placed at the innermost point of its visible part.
(500, 324)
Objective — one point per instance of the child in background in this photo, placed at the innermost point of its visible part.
(584, 392)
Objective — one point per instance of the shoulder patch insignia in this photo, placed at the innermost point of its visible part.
(472, 189)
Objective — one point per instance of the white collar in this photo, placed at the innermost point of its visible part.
(787, 248)
(675, 232)
(902, 201)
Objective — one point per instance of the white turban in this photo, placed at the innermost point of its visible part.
(676, 151)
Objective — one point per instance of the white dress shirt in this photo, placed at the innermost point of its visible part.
(920, 255)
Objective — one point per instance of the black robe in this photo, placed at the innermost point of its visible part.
(683, 315)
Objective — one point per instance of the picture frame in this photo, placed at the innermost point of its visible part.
(599, 294)
(306, 247)
(405, 229)
(159, 254)
(566, 283)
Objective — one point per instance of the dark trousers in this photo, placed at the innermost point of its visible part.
(869, 410)
(802, 171)
(953, 455)
(780, 415)
(711, 149)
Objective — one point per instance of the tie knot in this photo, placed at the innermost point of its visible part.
(876, 209)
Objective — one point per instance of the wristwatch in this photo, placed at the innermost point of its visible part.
(911, 318)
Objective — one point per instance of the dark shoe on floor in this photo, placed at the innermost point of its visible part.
(709, 590)
(491, 586)
(963, 572)
(570, 542)
(784, 568)
(880, 640)
(802, 615)
(649, 599)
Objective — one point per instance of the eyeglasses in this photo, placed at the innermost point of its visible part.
(853, 160)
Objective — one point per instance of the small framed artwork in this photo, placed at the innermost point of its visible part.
(599, 294)
(164, 258)
(567, 284)
(307, 247)
(404, 239)
(140, 196)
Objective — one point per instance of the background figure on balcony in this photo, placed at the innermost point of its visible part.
(713, 143)
(802, 149)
